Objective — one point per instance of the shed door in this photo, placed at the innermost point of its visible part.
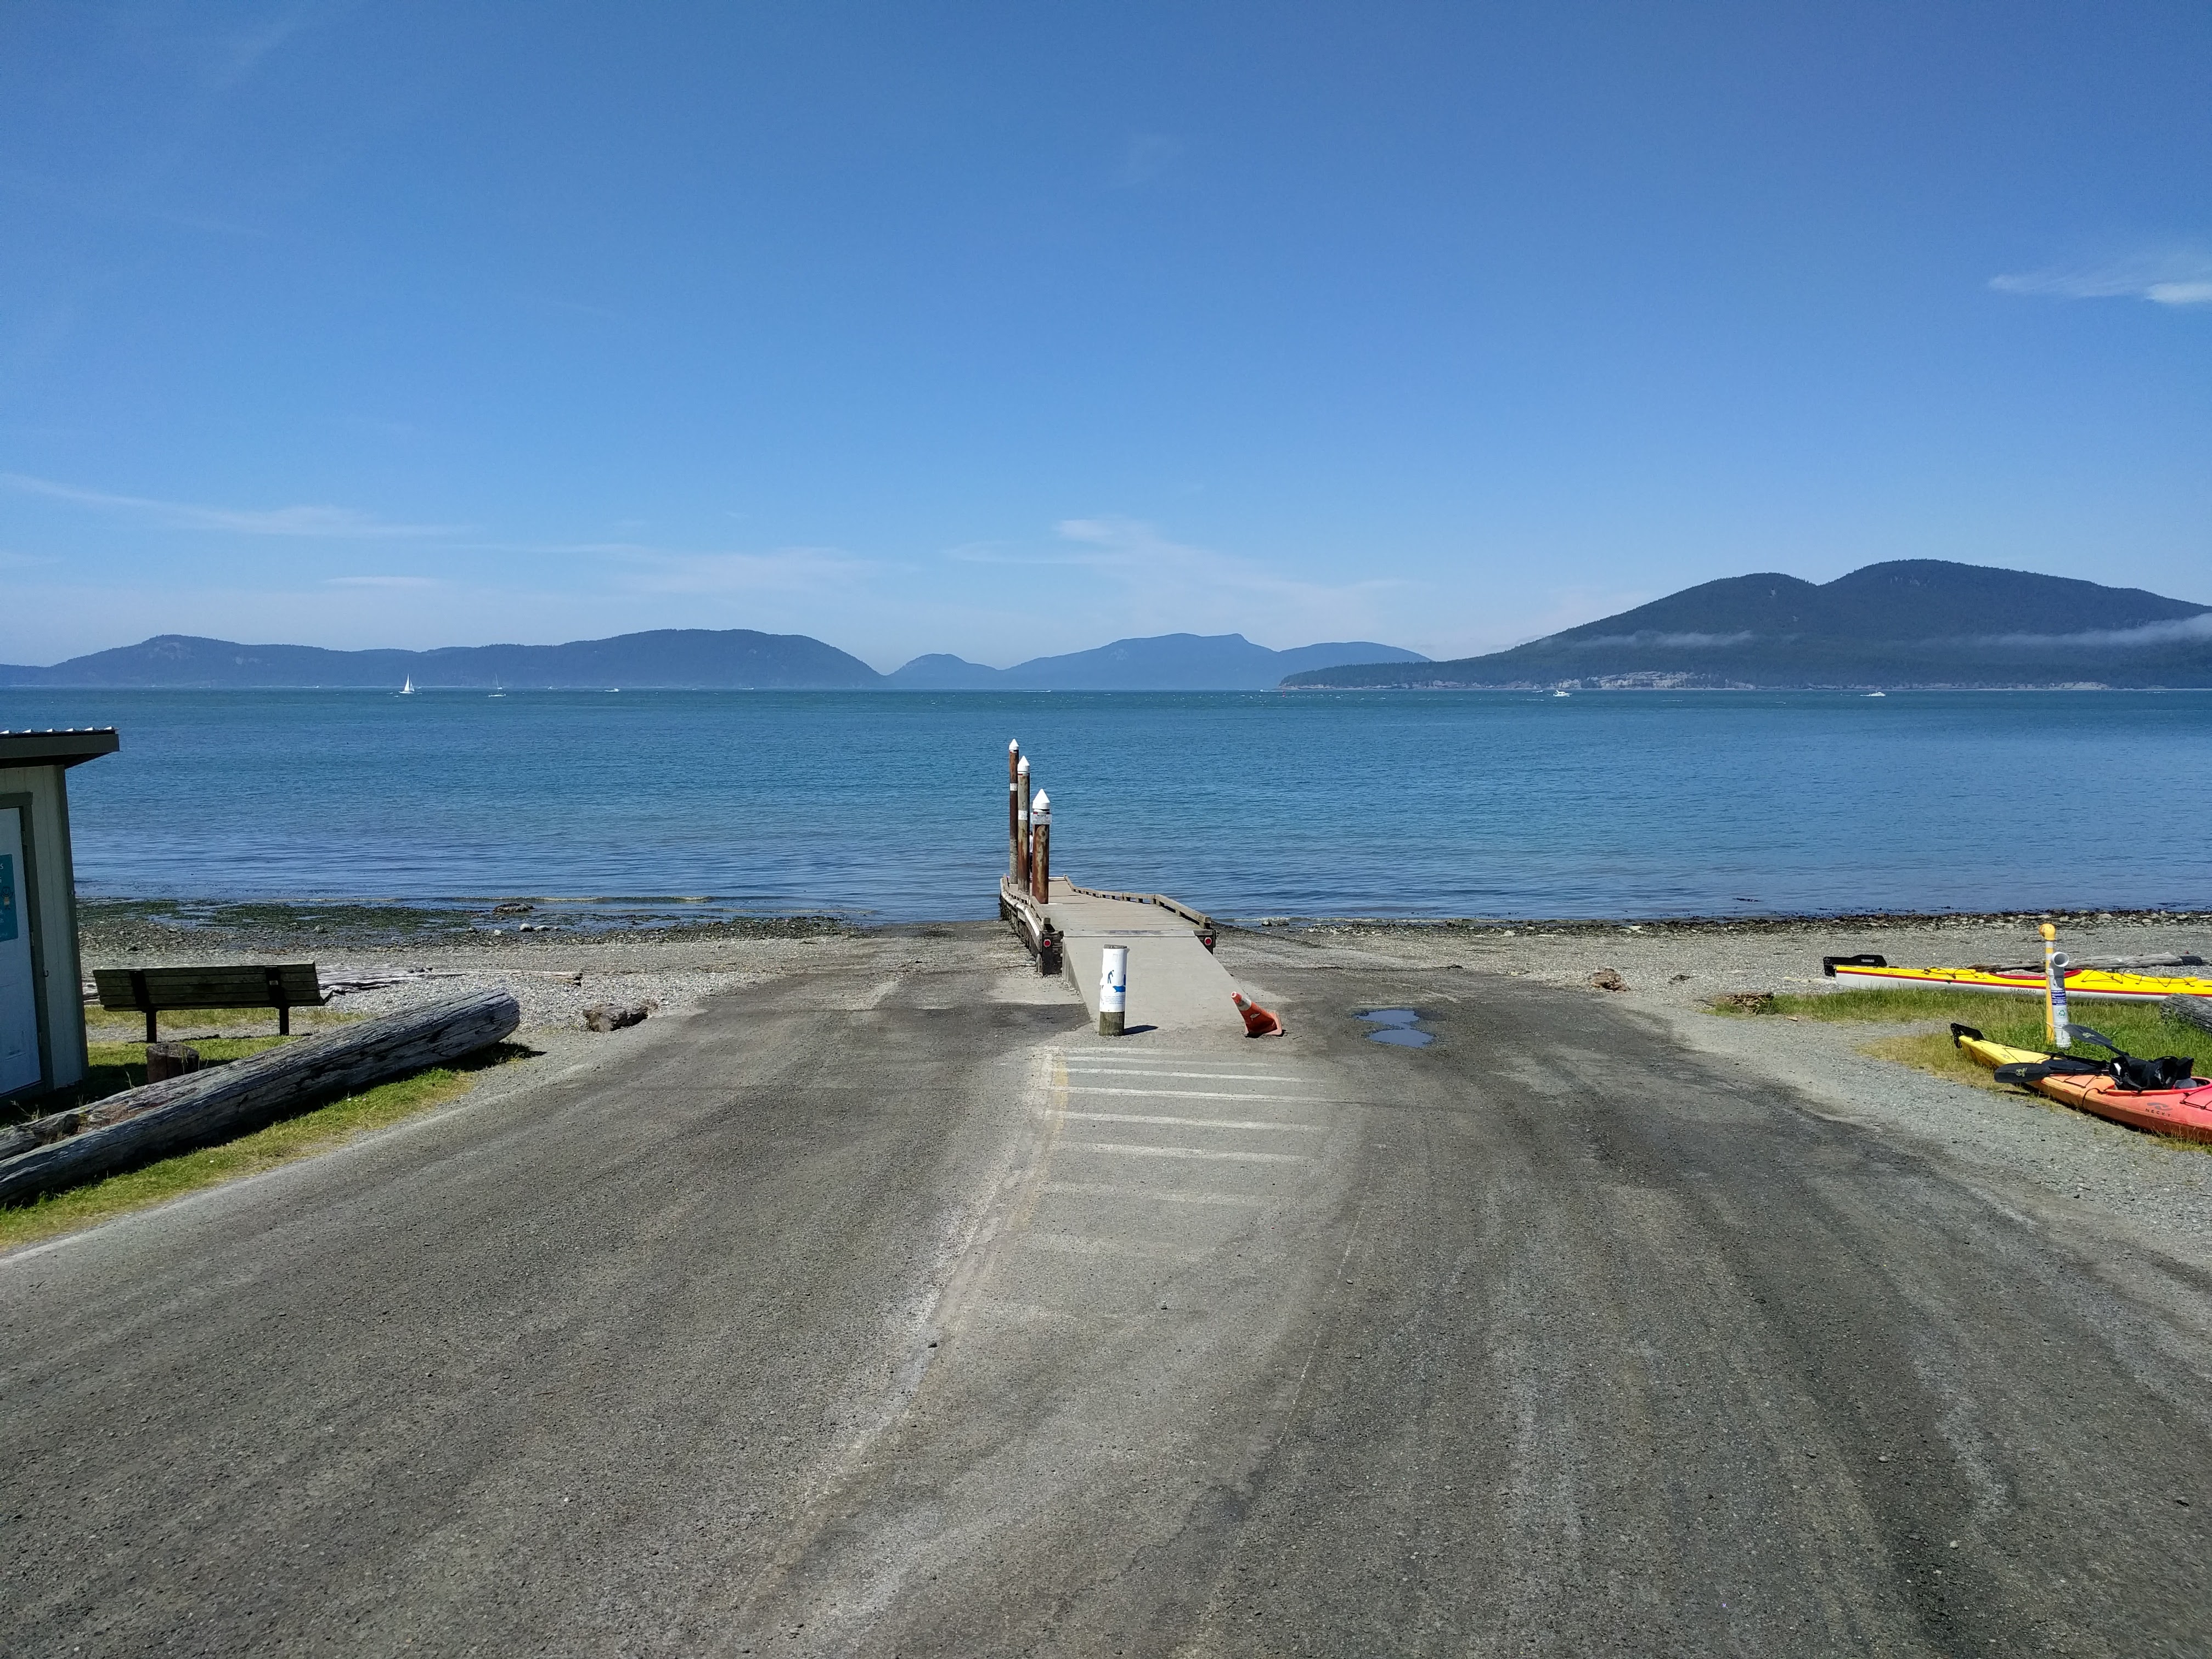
(19, 990)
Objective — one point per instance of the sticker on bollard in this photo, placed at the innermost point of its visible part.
(1113, 989)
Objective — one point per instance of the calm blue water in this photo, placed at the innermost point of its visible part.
(1370, 803)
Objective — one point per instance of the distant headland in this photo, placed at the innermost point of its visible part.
(1907, 623)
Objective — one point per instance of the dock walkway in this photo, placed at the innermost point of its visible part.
(1174, 983)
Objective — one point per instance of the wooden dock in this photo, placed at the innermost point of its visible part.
(1174, 983)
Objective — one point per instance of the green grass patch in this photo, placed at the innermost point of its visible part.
(1887, 1004)
(287, 1141)
(2137, 1027)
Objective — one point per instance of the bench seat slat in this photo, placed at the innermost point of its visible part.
(208, 988)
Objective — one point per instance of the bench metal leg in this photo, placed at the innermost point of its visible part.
(151, 1017)
(284, 1019)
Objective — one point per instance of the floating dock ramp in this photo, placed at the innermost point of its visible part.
(1174, 983)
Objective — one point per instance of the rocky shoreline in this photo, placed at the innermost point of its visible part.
(559, 965)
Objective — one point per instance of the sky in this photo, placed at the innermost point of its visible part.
(1007, 328)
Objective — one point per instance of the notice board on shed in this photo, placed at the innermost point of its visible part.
(19, 984)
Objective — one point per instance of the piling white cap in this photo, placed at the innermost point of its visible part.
(1041, 806)
(1014, 745)
(1022, 767)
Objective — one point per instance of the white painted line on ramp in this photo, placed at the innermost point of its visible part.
(1194, 1122)
(1112, 1189)
(1201, 1094)
(1076, 1244)
(1129, 1149)
(1200, 1076)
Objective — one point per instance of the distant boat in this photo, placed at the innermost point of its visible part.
(1560, 694)
(1877, 694)
(499, 688)
(408, 689)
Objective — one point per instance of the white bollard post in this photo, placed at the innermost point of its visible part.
(1113, 989)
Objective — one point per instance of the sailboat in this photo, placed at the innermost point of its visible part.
(408, 689)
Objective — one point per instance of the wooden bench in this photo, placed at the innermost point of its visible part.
(150, 990)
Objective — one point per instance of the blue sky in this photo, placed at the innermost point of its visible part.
(1010, 328)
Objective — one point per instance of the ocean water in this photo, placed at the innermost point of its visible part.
(1384, 803)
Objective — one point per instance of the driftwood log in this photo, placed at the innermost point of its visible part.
(215, 1104)
(2192, 1010)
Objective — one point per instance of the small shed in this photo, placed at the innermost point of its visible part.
(41, 986)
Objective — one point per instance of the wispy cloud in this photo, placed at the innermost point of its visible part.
(1668, 642)
(384, 581)
(343, 522)
(2177, 277)
(2183, 628)
(234, 59)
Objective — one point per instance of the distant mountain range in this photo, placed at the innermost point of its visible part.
(735, 659)
(1168, 662)
(1908, 622)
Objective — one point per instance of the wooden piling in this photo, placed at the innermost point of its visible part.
(1013, 810)
(1041, 855)
(1022, 824)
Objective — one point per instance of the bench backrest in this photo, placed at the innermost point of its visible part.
(291, 984)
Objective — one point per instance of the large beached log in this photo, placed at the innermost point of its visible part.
(2193, 1011)
(158, 1119)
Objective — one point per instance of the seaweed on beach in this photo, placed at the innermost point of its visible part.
(109, 927)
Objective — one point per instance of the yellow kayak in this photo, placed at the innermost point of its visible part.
(1994, 1054)
(2093, 983)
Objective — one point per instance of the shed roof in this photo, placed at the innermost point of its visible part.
(71, 748)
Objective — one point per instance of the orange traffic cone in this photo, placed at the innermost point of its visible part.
(1258, 1022)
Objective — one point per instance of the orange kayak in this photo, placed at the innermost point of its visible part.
(2184, 1111)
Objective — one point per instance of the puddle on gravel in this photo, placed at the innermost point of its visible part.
(1396, 1027)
